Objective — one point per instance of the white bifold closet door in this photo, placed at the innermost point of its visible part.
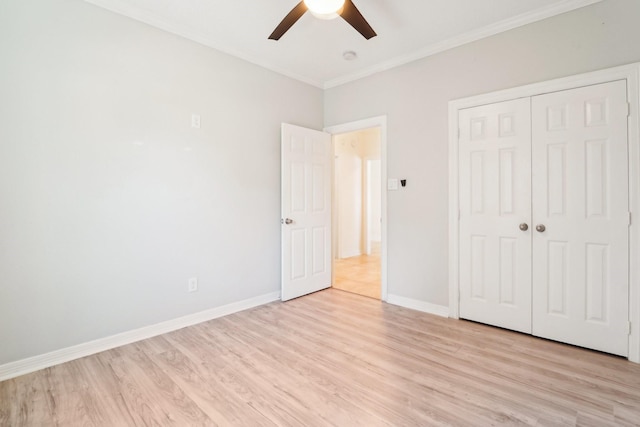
(581, 197)
(495, 198)
(544, 216)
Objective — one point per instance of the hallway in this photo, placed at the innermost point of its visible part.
(359, 274)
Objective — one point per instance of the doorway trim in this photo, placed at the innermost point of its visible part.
(630, 73)
(381, 123)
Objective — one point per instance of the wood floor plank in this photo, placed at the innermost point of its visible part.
(226, 366)
(409, 373)
(151, 395)
(64, 393)
(427, 397)
(299, 362)
(331, 358)
(29, 402)
(101, 392)
(218, 402)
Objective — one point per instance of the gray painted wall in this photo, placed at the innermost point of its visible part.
(415, 98)
(109, 200)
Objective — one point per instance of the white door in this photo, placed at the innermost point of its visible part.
(306, 211)
(495, 211)
(580, 197)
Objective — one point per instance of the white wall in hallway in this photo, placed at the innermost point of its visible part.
(348, 185)
(355, 201)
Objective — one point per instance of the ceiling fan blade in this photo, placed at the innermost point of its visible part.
(288, 21)
(352, 15)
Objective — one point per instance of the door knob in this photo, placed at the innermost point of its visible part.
(524, 226)
(288, 221)
(540, 228)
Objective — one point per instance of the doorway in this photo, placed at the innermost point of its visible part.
(309, 239)
(358, 212)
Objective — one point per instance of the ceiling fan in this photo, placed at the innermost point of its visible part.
(325, 9)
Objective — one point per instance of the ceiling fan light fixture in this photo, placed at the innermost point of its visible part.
(324, 9)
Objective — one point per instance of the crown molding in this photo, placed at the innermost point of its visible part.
(123, 8)
(481, 33)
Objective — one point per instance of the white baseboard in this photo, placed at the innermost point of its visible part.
(414, 304)
(25, 366)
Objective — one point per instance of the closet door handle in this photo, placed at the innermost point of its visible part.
(540, 228)
(524, 226)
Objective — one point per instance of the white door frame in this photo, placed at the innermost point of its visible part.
(630, 73)
(381, 123)
(366, 163)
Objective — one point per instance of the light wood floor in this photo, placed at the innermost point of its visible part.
(331, 358)
(359, 274)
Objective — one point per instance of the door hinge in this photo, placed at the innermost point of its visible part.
(628, 109)
(629, 328)
(629, 218)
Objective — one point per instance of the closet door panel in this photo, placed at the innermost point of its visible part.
(495, 199)
(580, 205)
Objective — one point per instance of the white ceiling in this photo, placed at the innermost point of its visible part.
(311, 51)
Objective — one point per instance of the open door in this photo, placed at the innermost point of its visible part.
(306, 211)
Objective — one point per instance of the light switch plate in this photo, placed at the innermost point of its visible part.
(195, 121)
(392, 184)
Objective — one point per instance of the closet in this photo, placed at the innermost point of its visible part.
(543, 230)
